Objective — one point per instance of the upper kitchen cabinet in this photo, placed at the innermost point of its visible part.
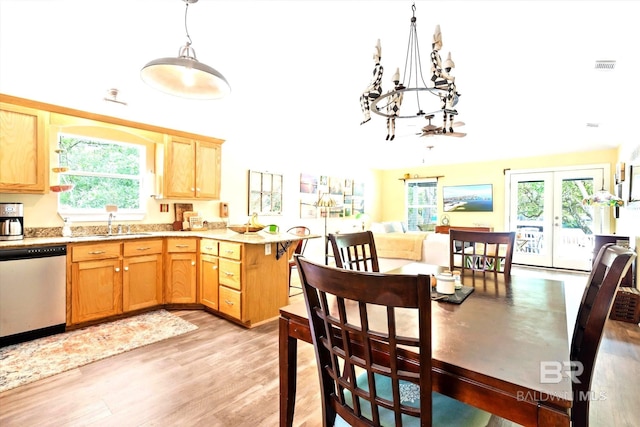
(191, 168)
(24, 161)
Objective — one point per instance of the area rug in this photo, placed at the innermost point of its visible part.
(31, 361)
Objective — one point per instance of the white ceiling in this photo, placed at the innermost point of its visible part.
(525, 70)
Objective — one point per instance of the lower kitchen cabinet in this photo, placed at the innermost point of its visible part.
(142, 274)
(96, 282)
(181, 271)
(252, 283)
(208, 279)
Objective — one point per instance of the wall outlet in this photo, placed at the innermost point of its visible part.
(267, 249)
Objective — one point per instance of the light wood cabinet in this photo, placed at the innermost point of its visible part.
(208, 277)
(252, 285)
(191, 169)
(24, 164)
(142, 274)
(181, 271)
(96, 281)
(230, 278)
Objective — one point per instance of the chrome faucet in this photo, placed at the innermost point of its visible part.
(111, 216)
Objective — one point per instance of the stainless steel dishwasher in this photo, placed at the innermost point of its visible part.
(32, 292)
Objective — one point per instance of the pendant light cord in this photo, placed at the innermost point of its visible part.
(186, 30)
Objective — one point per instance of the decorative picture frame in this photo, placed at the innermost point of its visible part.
(468, 198)
(620, 172)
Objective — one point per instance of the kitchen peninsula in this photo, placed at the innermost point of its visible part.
(242, 277)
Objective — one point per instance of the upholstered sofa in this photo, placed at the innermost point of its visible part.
(396, 247)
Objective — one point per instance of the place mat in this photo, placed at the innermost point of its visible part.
(457, 298)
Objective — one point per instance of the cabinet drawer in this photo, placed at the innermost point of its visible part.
(208, 246)
(230, 302)
(229, 273)
(142, 247)
(177, 244)
(97, 251)
(230, 250)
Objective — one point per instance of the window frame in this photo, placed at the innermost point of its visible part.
(96, 214)
(412, 225)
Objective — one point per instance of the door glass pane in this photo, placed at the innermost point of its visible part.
(576, 233)
(530, 217)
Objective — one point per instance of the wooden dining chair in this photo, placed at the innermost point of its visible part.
(299, 250)
(481, 251)
(355, 251)
(611, 265)
(362, 349)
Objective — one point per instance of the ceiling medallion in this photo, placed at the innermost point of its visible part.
(413, 88)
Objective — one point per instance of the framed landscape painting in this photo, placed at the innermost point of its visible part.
(468, 198)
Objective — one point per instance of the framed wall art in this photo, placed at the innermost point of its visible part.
(468, 198)
(620, 172)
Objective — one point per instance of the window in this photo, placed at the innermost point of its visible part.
(422, 206)
(103, 173)
(265, 193)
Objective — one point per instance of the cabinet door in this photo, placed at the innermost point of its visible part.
(141, 282)
(181, 278)
(209, 281)
(96, 289)
(23, 150)
(207, 170)
(180, 168)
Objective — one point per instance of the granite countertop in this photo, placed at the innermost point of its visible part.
(258, 238)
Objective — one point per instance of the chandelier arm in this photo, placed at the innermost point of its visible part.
(386, 97)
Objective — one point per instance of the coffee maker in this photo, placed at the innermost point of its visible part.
(11, 221)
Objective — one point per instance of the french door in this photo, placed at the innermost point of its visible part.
(553, 228)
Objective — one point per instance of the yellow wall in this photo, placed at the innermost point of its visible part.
(392, 203)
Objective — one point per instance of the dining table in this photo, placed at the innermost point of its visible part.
(503, 349)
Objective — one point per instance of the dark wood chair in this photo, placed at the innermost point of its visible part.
(360, 350)
(611, 264)
(481, 251)
(355, 251)
(299, 250)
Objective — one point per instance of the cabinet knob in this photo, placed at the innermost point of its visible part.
(126, 269)
(193, 263)
(117, 269)
(228, 273)
(193, 189)
(214, 267)
(228, 302)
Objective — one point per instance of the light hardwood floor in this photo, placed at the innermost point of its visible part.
(226, 375)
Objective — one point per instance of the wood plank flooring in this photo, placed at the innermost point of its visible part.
(226, 375)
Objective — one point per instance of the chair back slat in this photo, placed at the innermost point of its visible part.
(355, 251)
(610, 266)
(481, 251)
(365, 375)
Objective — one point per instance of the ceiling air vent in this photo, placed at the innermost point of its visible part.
(593, 125)
(605, 65)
